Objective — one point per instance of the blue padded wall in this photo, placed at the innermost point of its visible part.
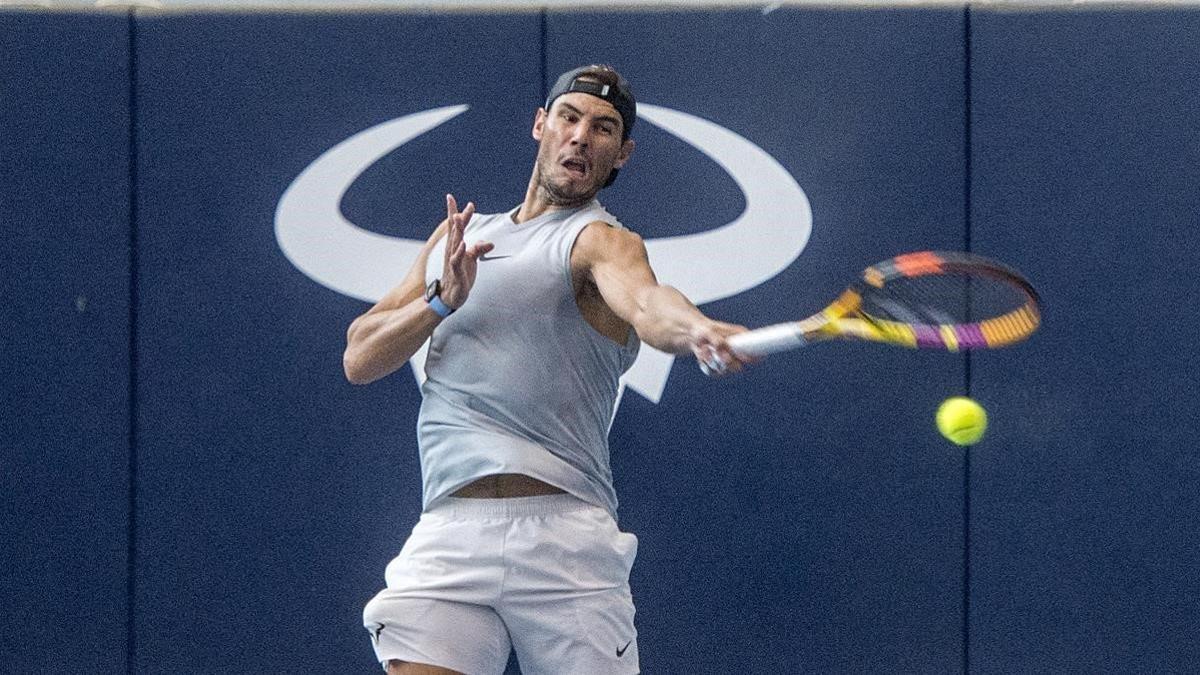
(64, 342)
(1085, 152)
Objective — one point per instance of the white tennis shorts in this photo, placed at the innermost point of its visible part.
(547, 576)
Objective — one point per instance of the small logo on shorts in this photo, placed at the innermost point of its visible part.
(379, 629)
(621, 651)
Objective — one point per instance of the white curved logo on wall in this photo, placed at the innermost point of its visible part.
(735, 257)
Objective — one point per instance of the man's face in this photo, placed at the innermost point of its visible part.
(580, 145)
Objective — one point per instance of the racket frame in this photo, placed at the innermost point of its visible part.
(845, 319)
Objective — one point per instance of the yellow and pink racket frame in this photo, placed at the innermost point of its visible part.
(846, 318)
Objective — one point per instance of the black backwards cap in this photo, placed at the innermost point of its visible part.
(590, 80)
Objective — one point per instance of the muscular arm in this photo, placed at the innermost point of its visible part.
(615, 261)
(380, 341)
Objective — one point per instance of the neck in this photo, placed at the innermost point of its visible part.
(539, 202)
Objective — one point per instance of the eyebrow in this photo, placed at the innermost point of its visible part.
(577, 111)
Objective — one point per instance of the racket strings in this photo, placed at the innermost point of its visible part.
(943, 299)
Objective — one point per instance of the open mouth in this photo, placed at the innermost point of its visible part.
(575, 167)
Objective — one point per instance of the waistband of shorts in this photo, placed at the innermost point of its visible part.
(509, 507)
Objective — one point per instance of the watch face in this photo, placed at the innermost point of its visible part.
(432, 290)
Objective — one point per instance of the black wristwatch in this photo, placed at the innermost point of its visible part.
(433, 296)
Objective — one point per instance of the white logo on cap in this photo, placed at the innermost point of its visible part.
(755, 246)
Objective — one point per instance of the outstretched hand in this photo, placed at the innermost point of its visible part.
(712, 350)
(461, 261)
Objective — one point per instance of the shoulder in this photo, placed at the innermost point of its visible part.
(600, 241)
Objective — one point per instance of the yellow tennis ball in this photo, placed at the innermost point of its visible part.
(961, 420)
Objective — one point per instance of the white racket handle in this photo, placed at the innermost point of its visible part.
(768, 340)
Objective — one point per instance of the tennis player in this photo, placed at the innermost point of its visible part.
(532, 316)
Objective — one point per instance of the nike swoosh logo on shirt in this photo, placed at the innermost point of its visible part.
(492, 257)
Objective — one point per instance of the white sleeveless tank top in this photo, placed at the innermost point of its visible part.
(517, 380)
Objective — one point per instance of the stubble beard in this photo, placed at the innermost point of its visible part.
(560, 195)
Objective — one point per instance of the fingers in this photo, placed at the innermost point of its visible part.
(465, 258)
(715, 361)
(458, 271)
(456, 227)
(479, 248)
(713, 367)
(714, 354)
(726, 331)
(452, 235)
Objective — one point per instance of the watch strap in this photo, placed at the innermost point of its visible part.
(443, 310)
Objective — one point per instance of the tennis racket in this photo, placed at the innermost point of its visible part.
(926, 300)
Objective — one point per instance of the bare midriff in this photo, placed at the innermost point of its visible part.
(502, 485)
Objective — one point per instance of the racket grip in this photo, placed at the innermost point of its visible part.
(768, 340)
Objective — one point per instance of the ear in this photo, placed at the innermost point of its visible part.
(539, 123)
(626, 151)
